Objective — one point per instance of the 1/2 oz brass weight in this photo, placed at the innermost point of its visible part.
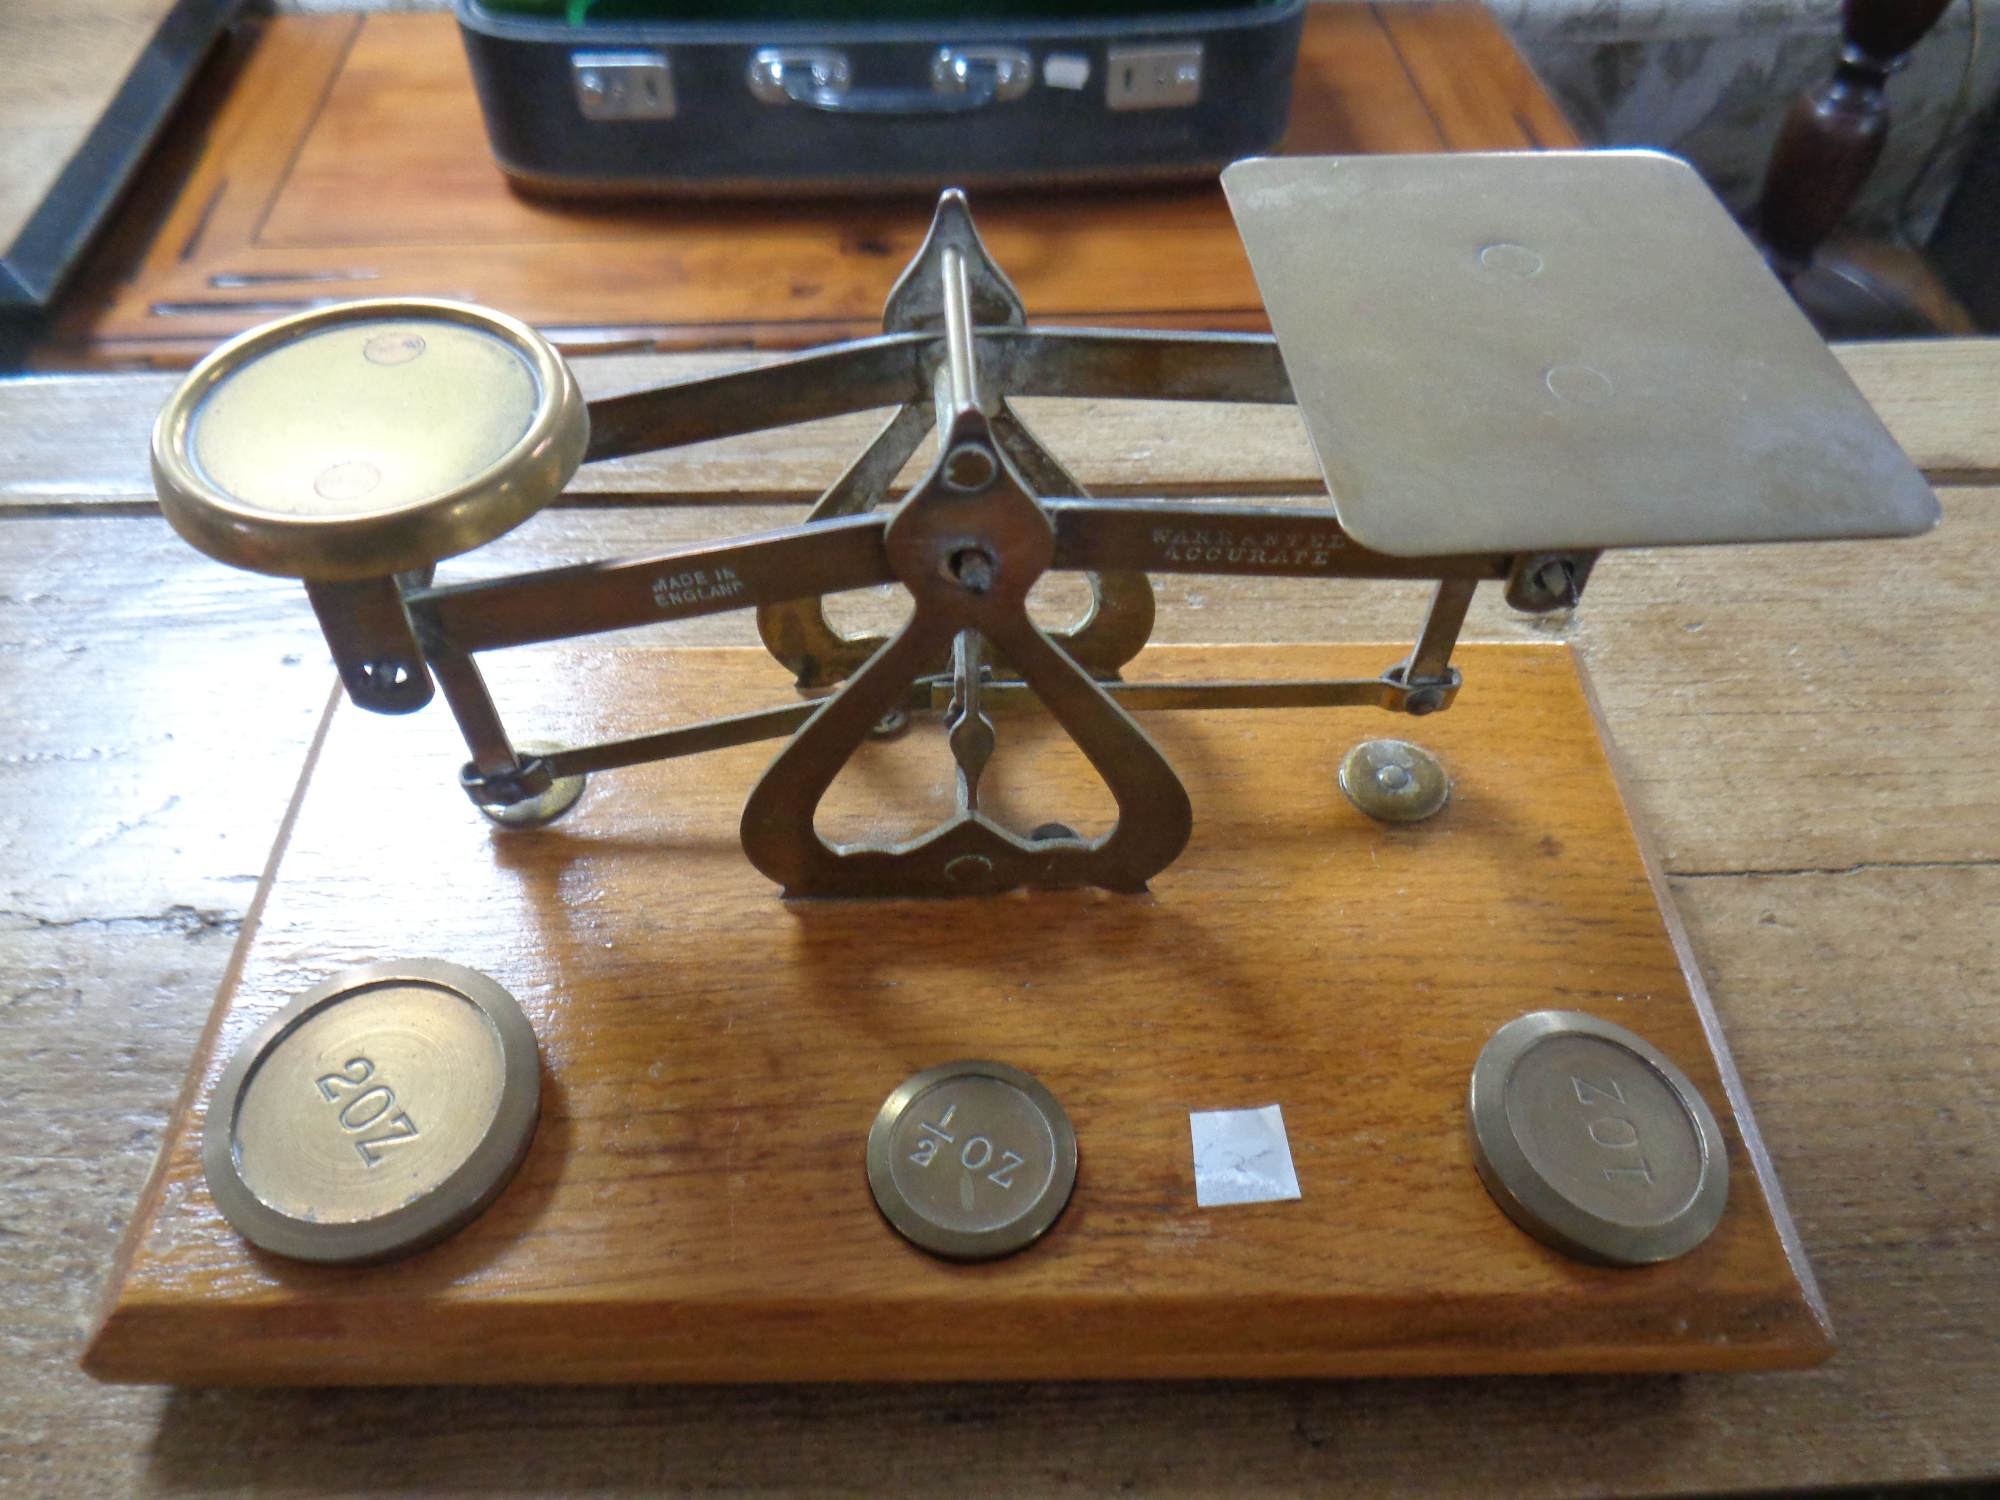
(378, 1112)
(972, 1160)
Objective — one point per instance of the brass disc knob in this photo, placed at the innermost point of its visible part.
(365, 439)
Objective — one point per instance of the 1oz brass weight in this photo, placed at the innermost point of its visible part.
(1594, 1142)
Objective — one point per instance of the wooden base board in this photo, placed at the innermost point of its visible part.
(695, 1205)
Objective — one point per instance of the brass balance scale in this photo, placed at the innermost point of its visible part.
(1506, 365)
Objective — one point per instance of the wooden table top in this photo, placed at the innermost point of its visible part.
(1809, 731)
(349, 160)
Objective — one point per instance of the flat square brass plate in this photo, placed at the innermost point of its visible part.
(1501, 353)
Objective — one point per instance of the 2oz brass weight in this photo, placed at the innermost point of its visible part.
(377, 1113)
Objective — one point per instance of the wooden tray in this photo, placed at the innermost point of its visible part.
(695, 1205)
(349, 160)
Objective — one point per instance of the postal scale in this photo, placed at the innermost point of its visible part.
(982, 999)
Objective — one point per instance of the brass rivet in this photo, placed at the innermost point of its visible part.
(393, 348)
(348, 481)
(968, 868)
(1511, 260)
(1394, 780)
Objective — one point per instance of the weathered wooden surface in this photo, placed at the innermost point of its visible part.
(1847, 933)
(350, 161)
(78, 442)
(1936, 395)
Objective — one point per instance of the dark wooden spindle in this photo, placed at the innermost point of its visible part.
(1833, 136)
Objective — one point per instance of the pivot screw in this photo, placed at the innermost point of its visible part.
(1544, 581)
(1557, 581)
(1423, 700)
(974, 569)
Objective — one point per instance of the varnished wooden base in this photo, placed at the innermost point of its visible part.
(695, 1206)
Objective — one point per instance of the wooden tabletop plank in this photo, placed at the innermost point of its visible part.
(1936, 395)
(80, 441)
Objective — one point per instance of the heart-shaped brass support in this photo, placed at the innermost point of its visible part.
(968, 543)
(798, 633)
(968, 561)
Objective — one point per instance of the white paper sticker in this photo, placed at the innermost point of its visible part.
(1241, 1156)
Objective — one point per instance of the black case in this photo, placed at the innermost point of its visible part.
(667, 107)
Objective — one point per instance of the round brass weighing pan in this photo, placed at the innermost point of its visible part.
(368, 438)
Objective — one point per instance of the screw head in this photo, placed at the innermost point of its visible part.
(1557, 580)
(973, 568)
(1423, 700)
(1394, 781)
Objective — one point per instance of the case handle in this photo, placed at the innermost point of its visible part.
(962, 78)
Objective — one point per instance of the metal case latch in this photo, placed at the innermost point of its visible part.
(623, 85)
(1155, 75)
